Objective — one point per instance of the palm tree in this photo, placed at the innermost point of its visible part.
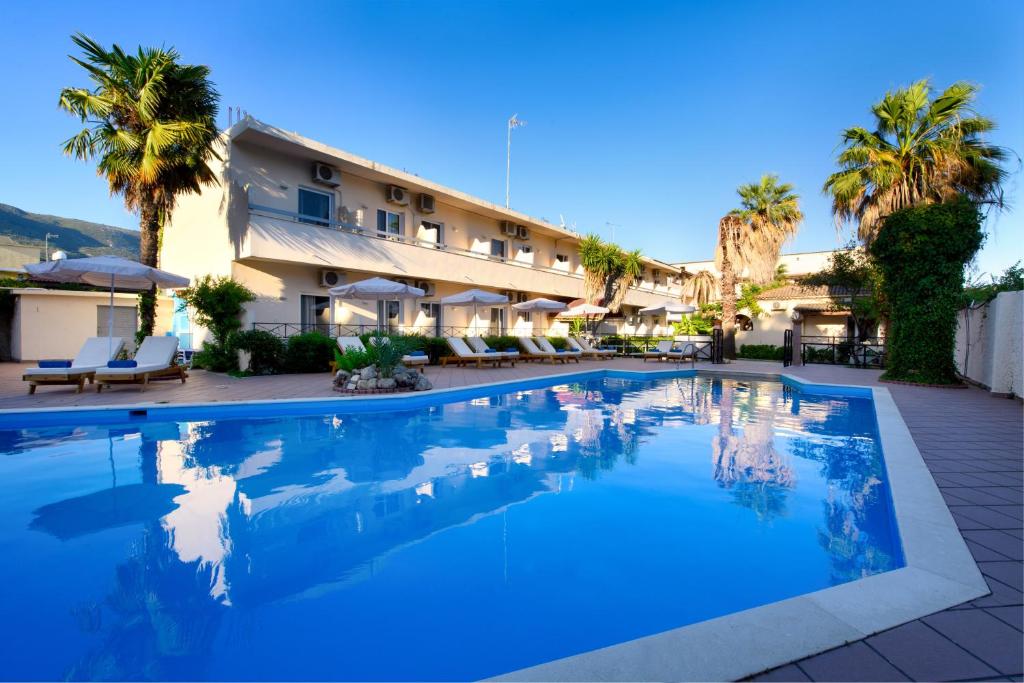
(702, 288)
(630, 266)
(150, 121)
(593, 258)
(922, 151)
(749, 240)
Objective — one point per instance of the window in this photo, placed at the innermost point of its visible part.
(389, 222)
(525, 249)
(315, 206)
(389, 315)
(431, 310)
(527, 316)
(315, 313)
(434, 232)
(497, 323)
(498, 249)
(562, 258)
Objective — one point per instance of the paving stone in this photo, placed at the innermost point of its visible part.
(983, 554)
(926, 655)
(1002, 595)
(999, 541)
(1014, 616)
(853, 662)
(1007, 572)
(990, 518)
(993, 641)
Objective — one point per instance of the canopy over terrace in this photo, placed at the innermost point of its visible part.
(373, 289)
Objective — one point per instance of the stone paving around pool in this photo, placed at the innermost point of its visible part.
(972, 442)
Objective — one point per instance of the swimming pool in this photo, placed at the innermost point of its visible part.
(450, 541)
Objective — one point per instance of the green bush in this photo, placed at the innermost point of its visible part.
(922, 253)
(386, 352)
(761, 351)
(266, 351)
(309, 352)
(215, 357)
(500, 342)
(559, 343)
(218, 303)
(353, 359)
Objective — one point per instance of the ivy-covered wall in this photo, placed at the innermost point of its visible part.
(922, 253)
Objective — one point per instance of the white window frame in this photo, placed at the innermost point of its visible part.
(314, 220)
(386, 232)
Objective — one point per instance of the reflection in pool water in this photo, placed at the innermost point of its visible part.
(451, 542)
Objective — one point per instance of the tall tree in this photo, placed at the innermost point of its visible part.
(702, 288)
(596, 267)
(923, 150)
(630, 267)
(150, 122)
(750, 239)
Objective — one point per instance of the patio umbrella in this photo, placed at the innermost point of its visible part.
(667, 307)
(373, 289)
(540, 304)
(103, 271)
(474, 297)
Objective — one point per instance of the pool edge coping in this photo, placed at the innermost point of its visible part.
(939, 570)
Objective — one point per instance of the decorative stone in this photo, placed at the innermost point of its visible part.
(369, 372)
(405, 380)
(422, 384)
(363, 384)
(386, 383)
(341, 378)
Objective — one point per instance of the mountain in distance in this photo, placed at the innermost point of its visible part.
(77, 238)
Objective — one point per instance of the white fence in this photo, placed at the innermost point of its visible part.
(988, 344)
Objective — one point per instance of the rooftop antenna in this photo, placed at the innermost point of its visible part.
(514, 122)
(611, 227)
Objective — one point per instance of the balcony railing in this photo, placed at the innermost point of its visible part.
(869, 353)
(368, 233)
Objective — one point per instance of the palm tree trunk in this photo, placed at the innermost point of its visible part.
(149, 246)
(728, 291)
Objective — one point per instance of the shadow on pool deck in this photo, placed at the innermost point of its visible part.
(971, 441)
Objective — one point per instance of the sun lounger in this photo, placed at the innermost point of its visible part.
(154, 359)
(660, 351)
(533, 352)
(688, 350)
(480, 346)
(419, 360)
(545, 345)
(95, 353)
(465, 355)
(587, 350)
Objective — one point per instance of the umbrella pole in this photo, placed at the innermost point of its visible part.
(110, 319)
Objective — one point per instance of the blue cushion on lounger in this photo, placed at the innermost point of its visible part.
(417, 353)
(489, 351)
(121, 364)
(55, 364)
(511, 350)
(559, 350)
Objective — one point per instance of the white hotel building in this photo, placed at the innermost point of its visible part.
(292, 217)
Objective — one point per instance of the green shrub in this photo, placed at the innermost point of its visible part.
(218, 302)
(309, 352)
(215, 357)
(761, 351)
(922, 253)
(500, 342)
(353, 359)
(386, 352)
(559, 343)
(266, 351)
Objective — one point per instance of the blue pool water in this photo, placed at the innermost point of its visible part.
(453, 541)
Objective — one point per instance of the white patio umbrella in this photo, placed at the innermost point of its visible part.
(474, 297)
(586, 311)
(373, 289)
(103, 271)
(667, 307)
(540, 304)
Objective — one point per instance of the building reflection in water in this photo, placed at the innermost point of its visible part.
(273, 509)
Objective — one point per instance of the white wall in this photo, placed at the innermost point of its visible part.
(988, 344)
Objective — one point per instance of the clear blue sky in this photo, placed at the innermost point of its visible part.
(644, 115)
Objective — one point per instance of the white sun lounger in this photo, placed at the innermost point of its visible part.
(688, 350)
(660, 351)
(155, 359)
(587, 350)
(533, 352)
(95, 353)
(546, 346)
(465, 355)
(480, 346)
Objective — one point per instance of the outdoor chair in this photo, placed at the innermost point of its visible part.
(94, 354)
(465, 355)
(154, 360)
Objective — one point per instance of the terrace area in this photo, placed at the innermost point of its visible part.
(970, 441)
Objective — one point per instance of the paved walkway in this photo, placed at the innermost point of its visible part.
(971, 441)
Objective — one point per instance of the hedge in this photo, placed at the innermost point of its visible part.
(761, 351)
(922, 253)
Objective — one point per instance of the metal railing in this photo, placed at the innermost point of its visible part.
(369, 233)
(867, 353)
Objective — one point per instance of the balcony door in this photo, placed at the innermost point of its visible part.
(389, 315)
(497, 325)
(315, 314)
(432, 232)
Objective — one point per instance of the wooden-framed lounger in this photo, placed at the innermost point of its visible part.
(546, 346)
(465, 356)
(154, 360)
(95, 353)
(480, 346)
(533, 352)
(660, 351)
(588, 351)
(408, 359)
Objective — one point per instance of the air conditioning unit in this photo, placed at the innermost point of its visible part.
(426, 203)
(331, 278)
(521, 297)
(398, 195)
(777, 306)
(326, 175)
(427, 287)
(509, 228)
(523, 232)
(401, 281)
